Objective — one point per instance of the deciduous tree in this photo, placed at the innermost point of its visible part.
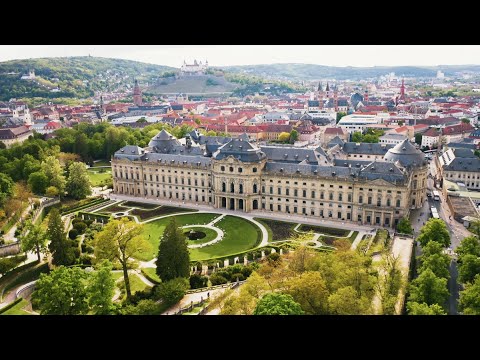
(53, 170)
(404, 226)
(62, 292)
(310, 291)
(469, 302)
(429, 289)
(35, 239)
(100, 289)
(277, 304)
(468, 268)
(434, 230)
(414, 308)
(78, 183)
(120, 240)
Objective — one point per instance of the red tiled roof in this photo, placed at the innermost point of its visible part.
(432, 132)
(458, 129)
(334, 131)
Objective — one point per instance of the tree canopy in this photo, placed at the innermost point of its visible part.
(434, 230)
(277, 304)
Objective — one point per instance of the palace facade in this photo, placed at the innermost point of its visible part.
(235, 174)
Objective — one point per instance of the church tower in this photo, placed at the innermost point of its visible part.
(137, 94)
(320, 95)
(327, 89)
(402, 91)
(365, 97)
(335, 97)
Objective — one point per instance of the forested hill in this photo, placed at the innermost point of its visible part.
(312, 72)
(74, 77)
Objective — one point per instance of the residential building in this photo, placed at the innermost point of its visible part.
(14, 135)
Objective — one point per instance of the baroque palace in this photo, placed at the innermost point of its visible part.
(378, 187)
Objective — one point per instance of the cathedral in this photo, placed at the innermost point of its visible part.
(235, 174)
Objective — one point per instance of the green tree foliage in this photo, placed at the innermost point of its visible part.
(293, 136)
(404, 226)
(6, 187)
(340, 114)
(468, 246)
(438, 263)
(35, 239)
(345, 301)
(434, 230)
(429, 289)
(78, 184)
(172, 291)
(197, 281)
(173, 257)
(120, 240)
(310, 291)
(277, 304)
(414, 308)
(144, 307)
(101, 288)
(468, 268)
(61, 249)
(469, 302)
(9, 263)
(370, 136)
(62, 292)
(54, 172)
(418, 138)
(38, 182)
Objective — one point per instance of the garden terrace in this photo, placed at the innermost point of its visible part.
(16, 308)
(278, 230)
(153, 230)
(324, 230)
(144, 206)
(328, 240)
(98, 176)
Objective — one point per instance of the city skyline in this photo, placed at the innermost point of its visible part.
(230, 55)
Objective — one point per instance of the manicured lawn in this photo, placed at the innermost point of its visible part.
(324, 230)
(96, 177)
(145, 206)
(240, 235)
(117, 275)
(159, 211)
(210, 235)
(17, 309)
(135, 284)
(154, 229)
(278, 230)
(151, 272)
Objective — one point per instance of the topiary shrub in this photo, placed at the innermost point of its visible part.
(72, 234)
(80, 227)
(238, 276)
(217, 279)
(197, 281)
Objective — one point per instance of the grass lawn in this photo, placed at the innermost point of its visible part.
(278, 230)
(96, 178)
(153, 230)
(151, 272)
(135, 284)
(117, 275)
(210, 235)
(240, 235)
(17, 309)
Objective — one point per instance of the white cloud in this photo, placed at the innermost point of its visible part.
(334, 55)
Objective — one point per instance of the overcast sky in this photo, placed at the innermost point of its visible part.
(219, 55)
